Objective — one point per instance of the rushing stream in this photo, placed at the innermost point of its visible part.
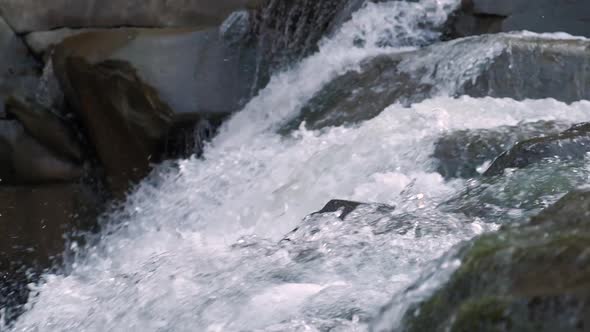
(197, 246)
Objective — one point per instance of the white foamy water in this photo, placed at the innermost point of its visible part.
(199, 248)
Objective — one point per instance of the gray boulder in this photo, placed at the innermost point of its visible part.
(132, 87)
(30, 15)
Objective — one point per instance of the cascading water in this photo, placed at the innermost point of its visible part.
(197, 247)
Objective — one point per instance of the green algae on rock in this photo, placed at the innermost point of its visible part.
(530, 277)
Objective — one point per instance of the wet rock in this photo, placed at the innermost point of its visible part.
(506, 65)
(24, 160)
(35, 222)
(571, 144)
(523, 278)
(132, 87)
(489, 16)
(29, 15)
(47, 127)
(18, 70)
(357, 96)
(464, 153)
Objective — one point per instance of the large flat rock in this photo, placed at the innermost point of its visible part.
(33, 15)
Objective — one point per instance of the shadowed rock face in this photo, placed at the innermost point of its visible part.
(493, 65)
(493, 16)
(47, 127)
(18, 70)
(571, 144)
(31, 15)
(124, 118)
(533, 277)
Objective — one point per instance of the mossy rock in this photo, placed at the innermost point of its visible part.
(530, 277)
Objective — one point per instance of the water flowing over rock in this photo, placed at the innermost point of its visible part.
(465, 153)
(29, 15)
(225, 238)
(571, 144)
(286, 31)
(529, 277)
(494, 65)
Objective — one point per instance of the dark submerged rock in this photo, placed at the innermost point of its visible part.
(462, 153)
(571, 144)
(531, 277)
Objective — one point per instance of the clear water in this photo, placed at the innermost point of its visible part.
(198, 247)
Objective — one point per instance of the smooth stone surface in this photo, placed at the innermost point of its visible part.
(192, 70)
(32, 15)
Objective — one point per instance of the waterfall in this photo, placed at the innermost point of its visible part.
(197, 246)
